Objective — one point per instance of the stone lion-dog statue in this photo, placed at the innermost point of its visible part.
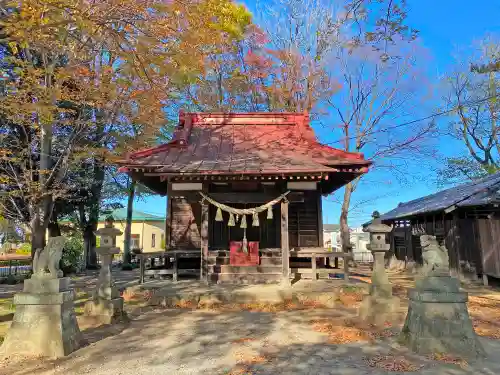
(48, 259)
(435, 256)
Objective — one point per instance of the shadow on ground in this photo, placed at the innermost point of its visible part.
(219, 342)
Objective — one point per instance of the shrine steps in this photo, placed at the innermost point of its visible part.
(264, 261)
(243, 279)
(221, 271)
(275, 253)
(243, 269)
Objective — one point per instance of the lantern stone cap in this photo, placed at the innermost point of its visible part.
(376, 226)
(108, 232)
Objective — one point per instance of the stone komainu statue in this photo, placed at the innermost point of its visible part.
(435, 256)
(49, 258)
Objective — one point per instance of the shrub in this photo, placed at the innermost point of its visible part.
(127, 267)
(24, 249)
(72, 252)
(11, 280)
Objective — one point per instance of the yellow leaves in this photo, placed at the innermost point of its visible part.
(229, 17)
(13, 47)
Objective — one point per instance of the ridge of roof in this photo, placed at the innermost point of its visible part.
(120, 214)
(460, 195)
(300, 122)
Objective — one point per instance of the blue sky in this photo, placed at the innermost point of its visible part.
(445, 27)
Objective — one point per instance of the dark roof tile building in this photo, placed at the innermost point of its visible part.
(465, 218)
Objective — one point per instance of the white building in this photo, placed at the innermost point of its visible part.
(331, 236)
(359, 240)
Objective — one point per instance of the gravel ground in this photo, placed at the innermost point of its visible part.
(202, 342)
(182, 342)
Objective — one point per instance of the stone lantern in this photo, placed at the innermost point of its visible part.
(379, 305)
(106, 303)
(379, 247)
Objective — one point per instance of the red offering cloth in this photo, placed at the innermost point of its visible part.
(237, 257)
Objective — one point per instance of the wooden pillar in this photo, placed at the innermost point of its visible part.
(320, 222)
(485, 279)
(321, 243)
(285, 248)
(175, 274)
(204, 242)
(143, 268)
(313, 267)
(168, 223)
(455, 232)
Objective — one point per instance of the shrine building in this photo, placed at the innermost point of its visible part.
(244, 191)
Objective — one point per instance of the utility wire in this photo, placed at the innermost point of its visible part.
(442, 113)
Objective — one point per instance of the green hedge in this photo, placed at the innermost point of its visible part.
(73, 250)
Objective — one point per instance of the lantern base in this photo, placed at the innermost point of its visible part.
(106, 311)
(377, 310)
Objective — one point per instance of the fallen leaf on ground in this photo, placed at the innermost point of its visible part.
(484, 302)
(243, 340)
(247, 358)
(352, 299)
(486, 328)
(184, 305)
(393, 363)
(340, 333)
(446, 358)
(350, 330)
(240, 370)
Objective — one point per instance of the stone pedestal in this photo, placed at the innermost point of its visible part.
(44, 322)
(106, 304)
(438, 320)
(380, 305)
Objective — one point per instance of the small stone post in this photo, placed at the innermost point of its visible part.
(106, 304)
(44, 323)
(379, 305)
(438, 320)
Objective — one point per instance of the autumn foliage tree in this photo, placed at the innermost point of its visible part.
(88, 80)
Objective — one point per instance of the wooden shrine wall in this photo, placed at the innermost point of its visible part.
(267, 233)
(185, 224)
(489, 238)
(304, 221)
(468, 240)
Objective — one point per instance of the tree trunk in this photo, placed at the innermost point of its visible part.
(345, 236)
(89, 243)
(128, 226)
(91, 227)
(37, 239)
(54, 229)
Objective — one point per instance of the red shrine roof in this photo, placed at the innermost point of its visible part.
(244, 143)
